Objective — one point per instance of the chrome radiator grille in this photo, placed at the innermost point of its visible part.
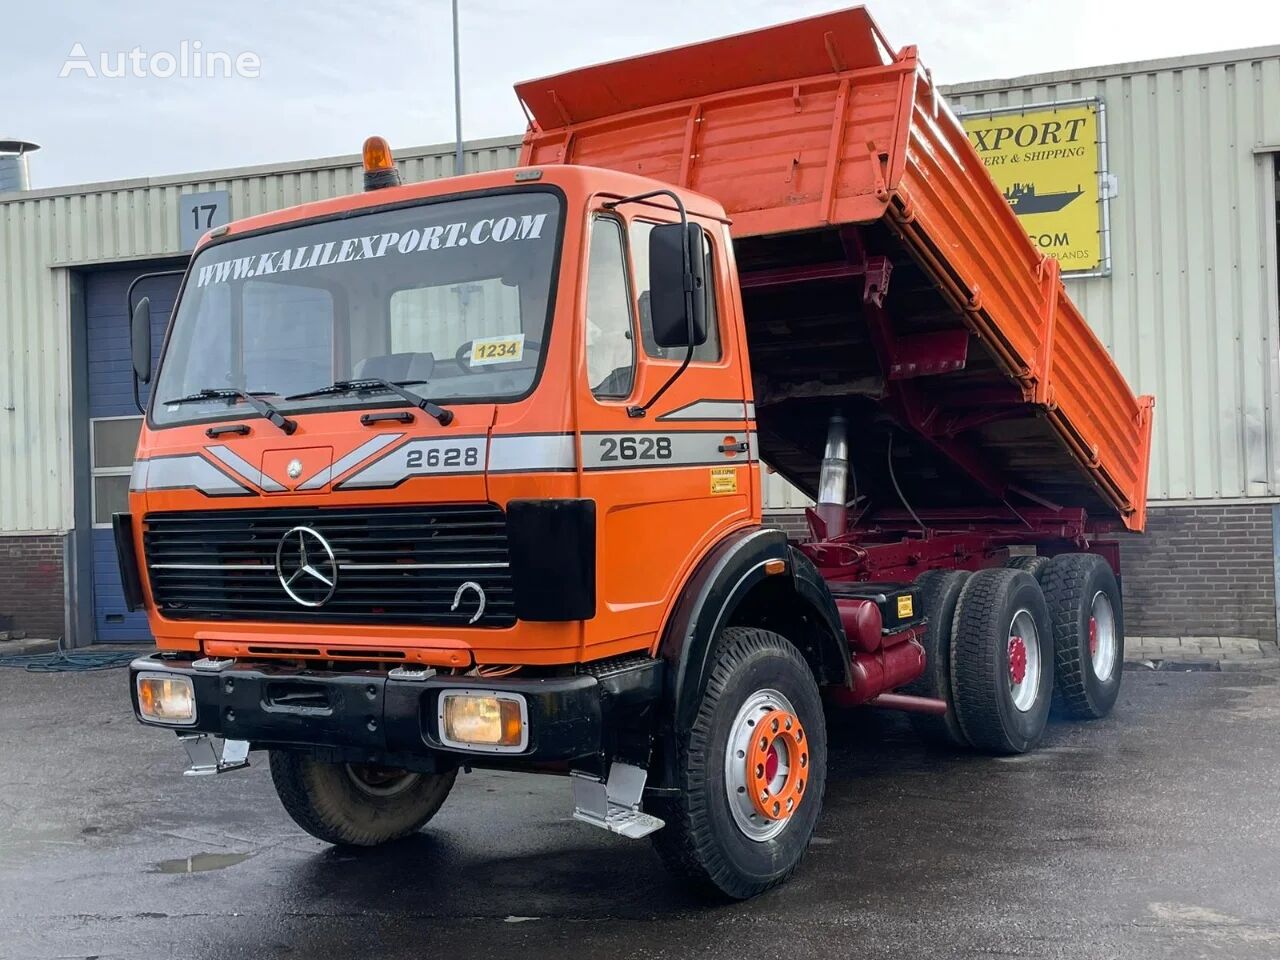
(404, 565)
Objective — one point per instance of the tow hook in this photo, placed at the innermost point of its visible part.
(211, 755)
(614, 805)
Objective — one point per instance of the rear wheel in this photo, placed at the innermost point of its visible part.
(1087, 619)
(1002, 661)
(939, 593)
(751, 770)
(360, 805)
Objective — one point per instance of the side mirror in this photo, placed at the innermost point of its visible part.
(677, 285)
(141, 340)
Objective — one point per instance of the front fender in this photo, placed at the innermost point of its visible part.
(729, 573)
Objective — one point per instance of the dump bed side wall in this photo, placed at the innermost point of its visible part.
(953, 215)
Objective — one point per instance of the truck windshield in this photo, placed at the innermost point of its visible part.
(453, 296)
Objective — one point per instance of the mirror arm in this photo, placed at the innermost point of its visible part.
(639, 411)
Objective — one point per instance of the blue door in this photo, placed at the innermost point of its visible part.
(114, 423)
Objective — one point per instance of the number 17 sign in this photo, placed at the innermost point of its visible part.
(198, 213)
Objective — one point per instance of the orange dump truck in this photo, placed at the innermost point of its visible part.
(467, 473)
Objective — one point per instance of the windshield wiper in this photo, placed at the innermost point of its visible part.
(253, 399)
(371, 384)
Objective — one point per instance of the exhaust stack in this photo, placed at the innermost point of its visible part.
(834, 479)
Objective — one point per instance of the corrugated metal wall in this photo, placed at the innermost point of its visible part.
(1190, 308)
(44, 233)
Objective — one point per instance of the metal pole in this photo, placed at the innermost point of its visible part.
(457, 96)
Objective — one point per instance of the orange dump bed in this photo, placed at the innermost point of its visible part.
(881, 268)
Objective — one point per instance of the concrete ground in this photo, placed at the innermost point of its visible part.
(1151, 834)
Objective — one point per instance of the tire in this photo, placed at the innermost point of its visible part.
(348, 805)
(996, 608)
(703, 841)
(939, 593)
(1032, 565)
(1082, 594)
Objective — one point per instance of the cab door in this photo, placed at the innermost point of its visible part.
(669, 483)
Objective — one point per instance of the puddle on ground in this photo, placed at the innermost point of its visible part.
(201, 862)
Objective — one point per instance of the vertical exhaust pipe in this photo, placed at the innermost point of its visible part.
(834, 479)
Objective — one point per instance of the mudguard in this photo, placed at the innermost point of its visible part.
(725, 577)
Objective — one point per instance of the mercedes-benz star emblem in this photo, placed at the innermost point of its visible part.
(306, 567)
(295, 469)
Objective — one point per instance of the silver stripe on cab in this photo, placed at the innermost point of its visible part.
(246, 469)
(532, 453)
(652, 449)
(710, 410)
(185, 472)
(436, 456)
(345, 463)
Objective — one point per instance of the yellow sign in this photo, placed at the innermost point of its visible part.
(724, 480)
(905, 606)
(1046, 163)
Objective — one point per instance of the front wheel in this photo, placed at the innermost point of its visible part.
(751, 770)
(360, 805)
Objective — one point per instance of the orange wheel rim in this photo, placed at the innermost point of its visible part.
(777, 765)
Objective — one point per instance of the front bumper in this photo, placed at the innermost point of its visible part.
(368, 714)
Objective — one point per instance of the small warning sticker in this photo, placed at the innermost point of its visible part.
(905, 607)
(724, 480)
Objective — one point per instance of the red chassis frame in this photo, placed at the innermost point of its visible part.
(894, 547)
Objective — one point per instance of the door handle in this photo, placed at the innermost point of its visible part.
(739, 446)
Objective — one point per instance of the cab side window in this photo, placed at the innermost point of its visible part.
(708, 352)
(610, 347)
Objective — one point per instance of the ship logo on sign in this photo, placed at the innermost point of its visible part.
(1024, 199)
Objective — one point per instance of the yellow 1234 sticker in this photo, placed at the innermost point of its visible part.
(508, 348)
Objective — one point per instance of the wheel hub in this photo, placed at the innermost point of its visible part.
(766, 765)
(1104, 637)
(777, 764)
(1017, 659)
(1024, 661)
(379, 781)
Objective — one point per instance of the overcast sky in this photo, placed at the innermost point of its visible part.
(334, 72)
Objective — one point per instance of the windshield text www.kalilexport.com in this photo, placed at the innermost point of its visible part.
(414, 240)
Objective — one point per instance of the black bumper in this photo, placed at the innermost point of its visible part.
(366, 713)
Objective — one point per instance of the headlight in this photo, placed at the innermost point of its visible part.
(166, 698)
(484, 720)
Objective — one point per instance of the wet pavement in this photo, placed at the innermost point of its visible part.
(1151, 834)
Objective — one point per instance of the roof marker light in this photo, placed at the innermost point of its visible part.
(379, 166)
